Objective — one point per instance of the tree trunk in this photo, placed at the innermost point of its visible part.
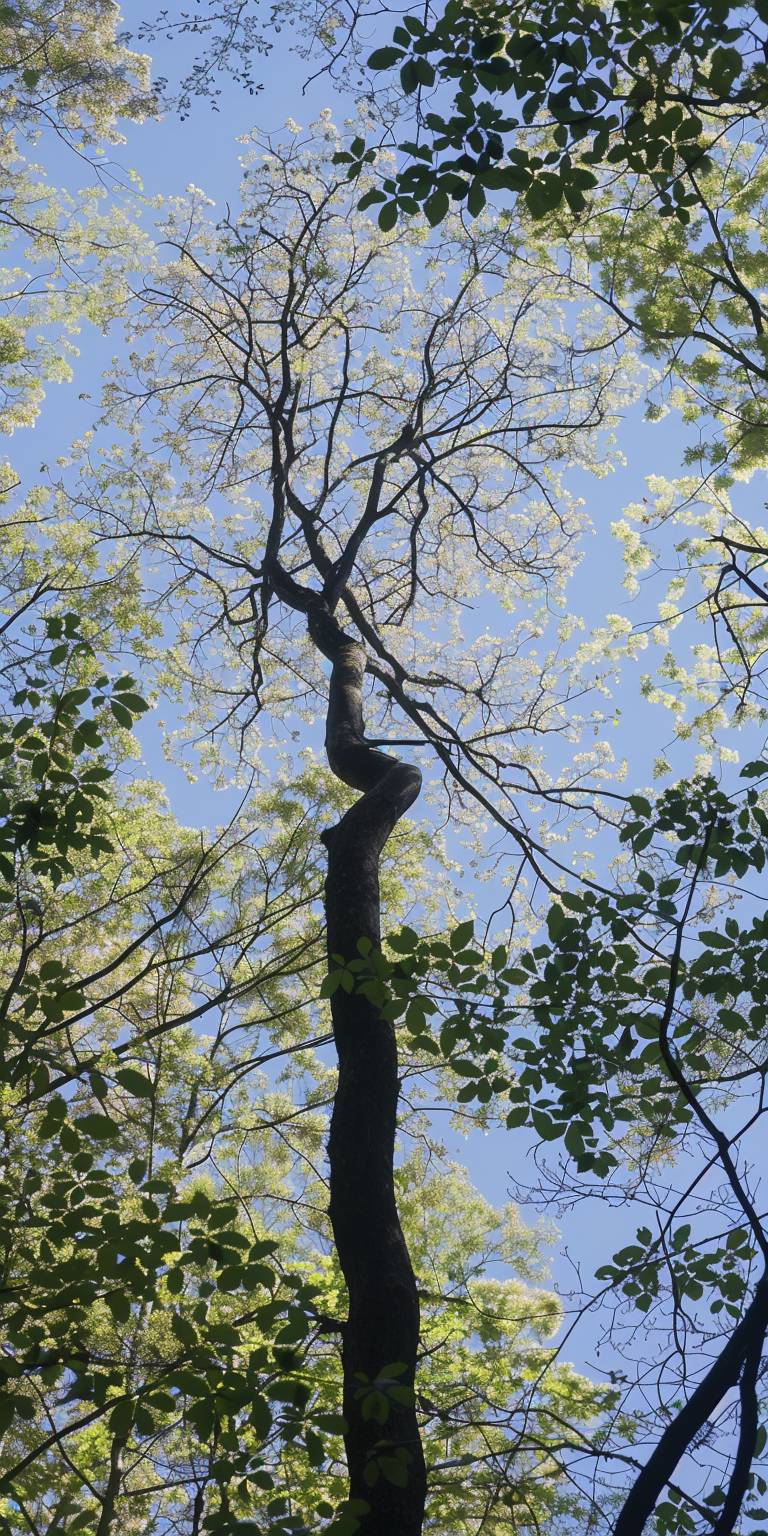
(383, 1321)
(112, 1490)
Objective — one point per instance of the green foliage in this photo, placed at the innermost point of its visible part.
(632, 87)
(604, 1013)
(168, 1292)
(693, 300)
(64, 63)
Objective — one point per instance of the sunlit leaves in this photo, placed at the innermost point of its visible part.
(66, 62)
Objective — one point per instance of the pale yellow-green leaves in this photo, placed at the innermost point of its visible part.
(515, 384)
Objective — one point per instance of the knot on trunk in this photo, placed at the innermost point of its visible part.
(389, 786)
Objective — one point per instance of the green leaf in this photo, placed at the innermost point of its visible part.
(121, 1417)
(435, 208)
(546, 1128)
(394, 1471)
(754, 770)
(476, 198)
(51, 968)
(375, 195)
(384, 58)
(405, 941)
(132, 702)
(544, 195)
(331, 1423)
(640, 805)
(409, 77)
(119, 1305)
(725, 65)
(330, 984)
(145, 1422)
(462, 934)
(183, 1330)
(70, 1001)
(556, 922)
(69, 1138)
(135, 1082)
(517, 1116)
(122, 715)
(99, 1127)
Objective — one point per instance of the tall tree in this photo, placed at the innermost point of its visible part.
(348, 456)
(371, 432)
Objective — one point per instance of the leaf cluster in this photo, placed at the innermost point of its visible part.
(630, 87)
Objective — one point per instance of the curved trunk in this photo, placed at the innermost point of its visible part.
(383, 1322)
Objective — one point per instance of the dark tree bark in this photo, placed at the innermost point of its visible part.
(111, 1492)
(742, 1351)
(383, 1321)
